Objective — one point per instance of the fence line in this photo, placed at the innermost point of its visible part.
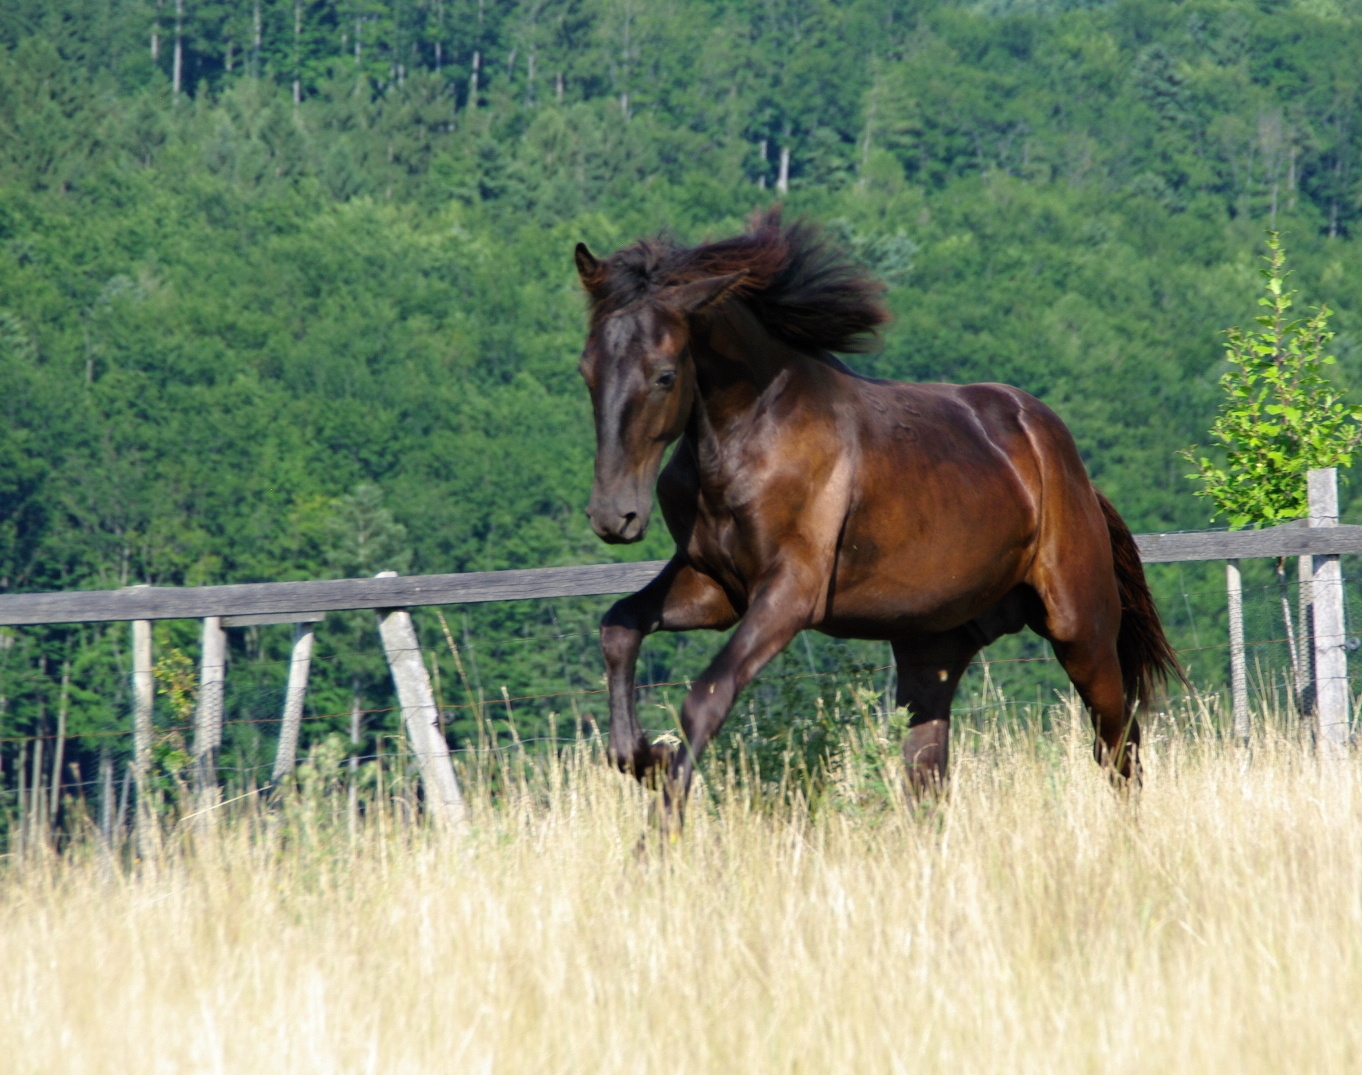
(276, 602)
(305, 603)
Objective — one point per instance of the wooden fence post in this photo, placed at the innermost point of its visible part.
(143, 698)
(1331, 654)
(1234, 588)
(63, 707)
(444, 801)
(208, 714)
(1305, 679)
(286, 757)
(106, 796)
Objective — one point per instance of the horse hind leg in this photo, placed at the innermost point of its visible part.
(929, 671)
(1095, 671)
(1082, 630)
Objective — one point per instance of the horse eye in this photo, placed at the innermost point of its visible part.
(666, 379)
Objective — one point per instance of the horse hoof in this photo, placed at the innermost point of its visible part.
(636, 761)
(662, 753)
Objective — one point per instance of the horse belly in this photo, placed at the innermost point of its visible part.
(897, 574)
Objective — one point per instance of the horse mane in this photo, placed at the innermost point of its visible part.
(802, 290)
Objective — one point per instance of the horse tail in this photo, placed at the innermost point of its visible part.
(1147, 660)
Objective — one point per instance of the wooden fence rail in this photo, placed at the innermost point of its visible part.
(275, 602)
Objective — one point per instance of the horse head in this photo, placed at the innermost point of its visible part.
(638, 368)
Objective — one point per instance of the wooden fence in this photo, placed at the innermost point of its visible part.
(1317, 542)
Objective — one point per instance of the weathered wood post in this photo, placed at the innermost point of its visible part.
(106, 796)
(1331, 654)
(208, 714)
(143, 698)
(444, 801)
(1305, 678)
(352, 794)
(1234, 587)
(63, 707)
(286, 757)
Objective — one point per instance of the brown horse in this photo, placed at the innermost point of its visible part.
(801, 495)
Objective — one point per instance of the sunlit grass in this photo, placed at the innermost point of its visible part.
(1033, 921)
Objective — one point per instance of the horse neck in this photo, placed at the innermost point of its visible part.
(736, 362)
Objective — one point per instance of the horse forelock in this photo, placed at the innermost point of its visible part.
(801, 289)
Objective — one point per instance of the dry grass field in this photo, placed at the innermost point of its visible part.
(1034, 921)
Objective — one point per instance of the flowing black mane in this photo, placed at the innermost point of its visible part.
(802, 290)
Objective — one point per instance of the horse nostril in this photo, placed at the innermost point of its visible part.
(615, 526)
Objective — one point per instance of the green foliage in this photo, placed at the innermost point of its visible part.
(362, 537)
(1282, 416)
(177, 679)
(246, 338)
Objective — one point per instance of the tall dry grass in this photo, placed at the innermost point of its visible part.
(1033, 921)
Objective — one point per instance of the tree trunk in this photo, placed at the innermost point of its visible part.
(177, 79)
(866, 137)
(1292, 649)
(1291, 181)
(297, 52)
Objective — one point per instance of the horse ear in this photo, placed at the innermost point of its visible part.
(589, 267)
(701, 295)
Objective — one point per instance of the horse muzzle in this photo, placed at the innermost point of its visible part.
(619, 524)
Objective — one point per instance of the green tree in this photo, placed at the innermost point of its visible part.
(362, 537)
(1281, 416)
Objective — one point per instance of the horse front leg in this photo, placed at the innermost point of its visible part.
(679, 599)
(779, 611)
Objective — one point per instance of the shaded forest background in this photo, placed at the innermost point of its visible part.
(286, 287)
